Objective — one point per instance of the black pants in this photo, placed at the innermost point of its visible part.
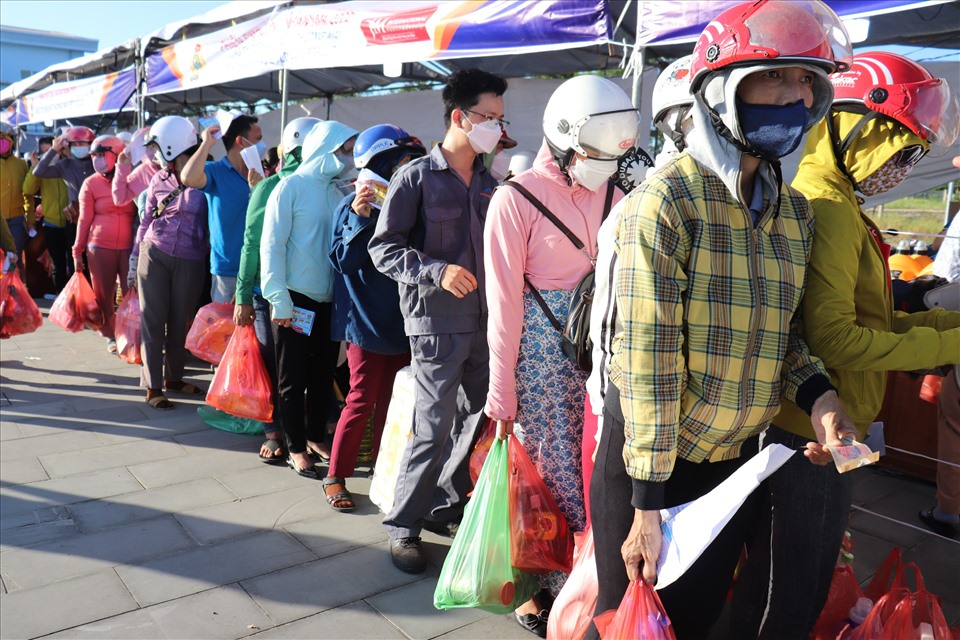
(305, 366)
(60, 245)
(695, 601)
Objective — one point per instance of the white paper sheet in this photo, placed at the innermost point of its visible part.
(251, 158)
(137, 148)
(689, 528)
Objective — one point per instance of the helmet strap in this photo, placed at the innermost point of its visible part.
(562, 158)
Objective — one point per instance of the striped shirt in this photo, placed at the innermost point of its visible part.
(708, 304)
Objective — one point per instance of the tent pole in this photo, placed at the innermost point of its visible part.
(283, 98)
(951, 187)
(139, 76)
(637, 62)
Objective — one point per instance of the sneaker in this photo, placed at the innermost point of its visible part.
(111, 346)
(448, 529)
(945, 529)
(407, 555)
(534, 623)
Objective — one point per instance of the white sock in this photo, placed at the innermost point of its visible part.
(949, 518)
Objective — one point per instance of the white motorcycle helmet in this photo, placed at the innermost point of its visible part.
(591, 116)
(172, 135)
(295, 131)
(672, 99)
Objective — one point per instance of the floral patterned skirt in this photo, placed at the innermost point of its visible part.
(551, 390)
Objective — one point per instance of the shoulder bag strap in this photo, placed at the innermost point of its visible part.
(167, 200)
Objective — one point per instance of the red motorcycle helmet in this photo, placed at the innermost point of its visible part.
(901, 89)
(109, 147)
(767, 31)
(79, 134)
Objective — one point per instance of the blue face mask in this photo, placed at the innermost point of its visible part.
(773, 130)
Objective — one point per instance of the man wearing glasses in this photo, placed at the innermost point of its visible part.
(429, 238)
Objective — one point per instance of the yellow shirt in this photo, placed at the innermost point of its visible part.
(53, 196)
(13, 170)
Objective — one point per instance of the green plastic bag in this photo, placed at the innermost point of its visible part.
(226, 422)
(477, 571)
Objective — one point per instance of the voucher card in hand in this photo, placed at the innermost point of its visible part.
(302, 320)
(368, 178)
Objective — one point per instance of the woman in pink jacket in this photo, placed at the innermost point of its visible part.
(105, 231)
(129, 181)
(589, 123)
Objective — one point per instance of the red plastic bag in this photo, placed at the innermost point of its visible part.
(76, 306)
(211, 331)
(19, 314)
(541, 539)
(241, 386)
(886, 589)
(917, 615)
(843, 595)
(573, 608)
(640, 615)
(127, 328)
(487, 433)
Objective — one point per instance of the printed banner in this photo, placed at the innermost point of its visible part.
(367, 33)
(74, 98)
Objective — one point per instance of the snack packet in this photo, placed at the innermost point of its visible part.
(374, 181)
(852, 455)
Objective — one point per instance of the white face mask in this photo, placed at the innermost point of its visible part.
(484, 136)
(500, 166)
(159, 160)
(592, 174)
(80, 152)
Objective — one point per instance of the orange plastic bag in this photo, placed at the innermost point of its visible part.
(241, 386)
(127, 328)
(541, 539)
(19, 314)
(640, 615)
(487, 433)
(573, 608)
(76, 306)
(843, 595)
(211, 331)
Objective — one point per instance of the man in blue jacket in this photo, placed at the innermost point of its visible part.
(429, 238)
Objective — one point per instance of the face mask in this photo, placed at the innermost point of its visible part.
(484, 137)
(5, 146)
(885, 178)
(159, 160)
(773, 130)
(79, 152)
(103, 164)
(260, 146)
(592, 174)
(500, 166)
(346, 160)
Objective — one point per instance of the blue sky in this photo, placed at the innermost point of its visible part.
(111, 23)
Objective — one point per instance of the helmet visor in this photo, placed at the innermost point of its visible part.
(934, 106)
(800, 30)
(607, 136)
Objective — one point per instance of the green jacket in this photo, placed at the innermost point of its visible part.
(53, 197)
(248, 276)
(848, 315)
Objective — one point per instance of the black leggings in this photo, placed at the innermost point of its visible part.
(695, 601)
(305, 366)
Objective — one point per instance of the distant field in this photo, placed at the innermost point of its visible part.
(917, 214)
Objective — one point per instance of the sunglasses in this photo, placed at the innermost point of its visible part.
(909, 156)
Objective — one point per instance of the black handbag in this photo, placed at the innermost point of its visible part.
(575, 331)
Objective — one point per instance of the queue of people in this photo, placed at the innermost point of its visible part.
(731, 311)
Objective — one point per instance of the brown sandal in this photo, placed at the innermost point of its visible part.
(340, 496)
(160, 402)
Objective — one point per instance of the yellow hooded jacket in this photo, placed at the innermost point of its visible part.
(848, 316)
(12, 172)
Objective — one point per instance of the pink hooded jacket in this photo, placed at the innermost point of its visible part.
(519, 240)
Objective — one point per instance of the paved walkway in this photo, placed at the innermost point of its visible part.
(119, 521)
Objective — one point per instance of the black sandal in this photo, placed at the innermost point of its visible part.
(309, 472)
(276, 448)
(340, 496)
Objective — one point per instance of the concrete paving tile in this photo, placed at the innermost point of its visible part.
(872, 483)
(492, 627)
(951, 612)
(899, 508)
(199, 569)
(59, 417)
(105, 457)
(227, 612)
(336, 533)
(64, 604)
(92, 552)
(209, 465)
(261, 480)
(9, 431)
(328, 583)
(869, 552)
(147, 504)
(151, 428)
(37, 534)
(222, 521)
(354, 621)
(48, 444)
(203, 441)
(26, 498)
(411, 610)
(23, 471)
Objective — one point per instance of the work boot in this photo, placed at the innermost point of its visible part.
(407, 555)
